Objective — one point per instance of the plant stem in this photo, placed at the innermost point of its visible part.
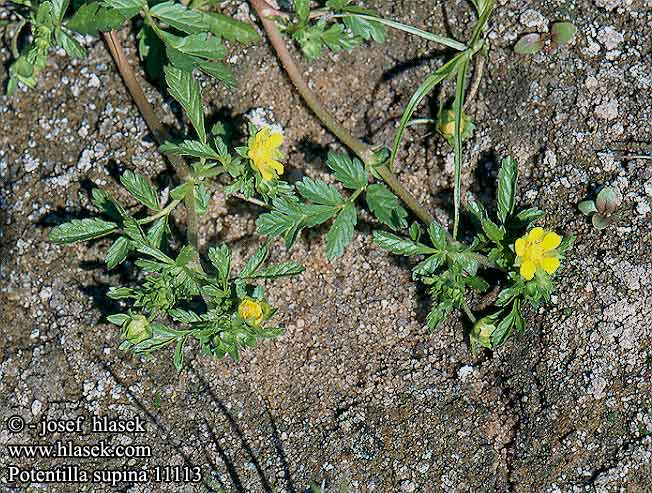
(163, 212)
(362, 150)
(468, 312)
(156, 127)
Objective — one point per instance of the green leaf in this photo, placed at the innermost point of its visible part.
(562, 32)
(231, 29)
(178, 353)
(424, 89)
(180, 192)
(415, 231)
(156, 233)
(141, 189)
(529, 44)
(341, 232)
(127, 8)
(438, 236)
(120, 293)
(477, 283)
(366, 26)
(476, 208)
(180, 17)
(349, 172)
(117, 252)
(428, 266)
(81, 230)
(386, 206)
(192, 148)
(400, 246)
(493, 231)
(566, 243)
(186, 91)
(220, 257)
(319, 192)
(118, 319)
(529, 215)
(302, 9)
(337, 39)
(254, 262)
(278, 270)
(70, 44)
(374, 30)
(218, 71)
(59, 8)
(438, 313)
(587, 207)
(507, 295)
(200, 45)
(504, 328)
(184, 316)
(507, 179)
(202, 198)
(92, 18)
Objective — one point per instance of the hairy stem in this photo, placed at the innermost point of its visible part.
(362, 150)
(156, 127)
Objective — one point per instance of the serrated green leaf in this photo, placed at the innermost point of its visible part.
(504, 328)
(529, 215)
(507, 295)
(192, 148)
(438, 313)
(231, 29)
(347, 171)
(184, 316)
(428, 266)
(507, 180)
(254, 262)
(117, 252)
(566, 243)
(337, 39)
(120, 293)
(477, 283)
(278, 270)
(319, 192)
(218, 71)
(400, 246)
(302, 9)
(438, 236)
(181, 18)
(157, 232)
(202, 198)
(118, 319)
(92, 18)
(364, 25)
(385, 206)
(415, 231)
(103, 201)
(141, 189)
(186, 255)
(220, 257)
(200, 45)
(70, 44)
(180, 192)
(340, 233)
(186, 91)
(127, 8)
(81, 230)
(493, 231)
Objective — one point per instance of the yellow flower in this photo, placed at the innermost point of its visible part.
(264, 153)
(251, 311)
(537, 250)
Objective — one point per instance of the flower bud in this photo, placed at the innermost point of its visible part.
(252, 311)
(482, 330)
(137, 330)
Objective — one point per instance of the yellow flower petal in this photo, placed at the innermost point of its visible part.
(550, 264)
(519, 247)
(528, 269)
(550, 241)
(278, 167)
(535, 234)
(266, 172)
(275, 139)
